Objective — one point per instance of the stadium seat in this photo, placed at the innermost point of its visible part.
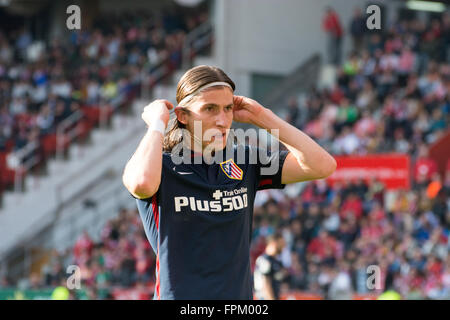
(6, 173)
(84, 127)
(93, 113)
(9, 145)
(49, 144)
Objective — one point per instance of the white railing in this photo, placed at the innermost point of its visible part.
(66, 132)
(16, 161)
(22, 160)
(196, 40)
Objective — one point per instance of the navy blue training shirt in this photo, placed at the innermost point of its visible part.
(199, 224)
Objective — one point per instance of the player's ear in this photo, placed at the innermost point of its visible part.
(181, 114)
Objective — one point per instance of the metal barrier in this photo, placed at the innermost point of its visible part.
(66, 132)
(196, 40)
(21, 161)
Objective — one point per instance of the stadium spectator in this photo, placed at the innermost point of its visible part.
(424, 167)
(333, 28)
(340, 287)
(269, 271)
(357, 29)
(293, 115)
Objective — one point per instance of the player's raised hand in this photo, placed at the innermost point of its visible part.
(246, 110)
(158, 109)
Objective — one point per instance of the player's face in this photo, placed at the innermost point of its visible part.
(214, 108)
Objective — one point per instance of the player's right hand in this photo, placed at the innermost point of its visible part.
(158, 109)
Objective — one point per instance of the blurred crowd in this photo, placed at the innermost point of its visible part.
(334, 233)
(121, 258)
(44, 82)
(391, 94)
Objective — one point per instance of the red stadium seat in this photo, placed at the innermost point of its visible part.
(9, 145)
(93, 114)
(8, 177)
(49, 144)
(84, 127)
(109, 112)
(2, 160)
(6, 173)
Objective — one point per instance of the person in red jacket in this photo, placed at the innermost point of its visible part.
(352, 205)
(323, 245)
(424, 168)
(332, 26)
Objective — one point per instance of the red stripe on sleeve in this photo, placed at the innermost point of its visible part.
(155, 210)
(265, 182)
(156, 216)
(157, 285)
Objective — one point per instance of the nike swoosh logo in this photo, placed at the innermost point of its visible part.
(181, 172)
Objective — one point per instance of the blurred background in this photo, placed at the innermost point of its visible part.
(377, 100)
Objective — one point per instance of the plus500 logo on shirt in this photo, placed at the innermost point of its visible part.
(224, 201)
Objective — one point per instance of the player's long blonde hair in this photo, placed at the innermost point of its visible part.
(191, 81)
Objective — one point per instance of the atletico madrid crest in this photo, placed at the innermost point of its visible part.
(231, 169)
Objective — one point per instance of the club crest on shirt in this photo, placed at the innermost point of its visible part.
(231, 169)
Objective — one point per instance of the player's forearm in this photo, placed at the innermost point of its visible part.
(310, 155)
(142, 174)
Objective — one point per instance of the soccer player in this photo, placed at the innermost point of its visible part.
(269, 271)
(196, 214)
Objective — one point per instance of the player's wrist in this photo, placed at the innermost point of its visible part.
(158, 125)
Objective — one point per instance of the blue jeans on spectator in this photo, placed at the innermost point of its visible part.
(334, 49)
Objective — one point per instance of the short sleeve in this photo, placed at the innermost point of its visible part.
(263, 265)
(269, 168)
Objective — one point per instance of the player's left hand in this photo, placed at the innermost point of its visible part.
(246, 110)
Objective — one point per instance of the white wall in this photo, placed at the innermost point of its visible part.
(273, 36)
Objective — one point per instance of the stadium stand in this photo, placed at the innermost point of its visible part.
(391, 95)
(87, 80)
